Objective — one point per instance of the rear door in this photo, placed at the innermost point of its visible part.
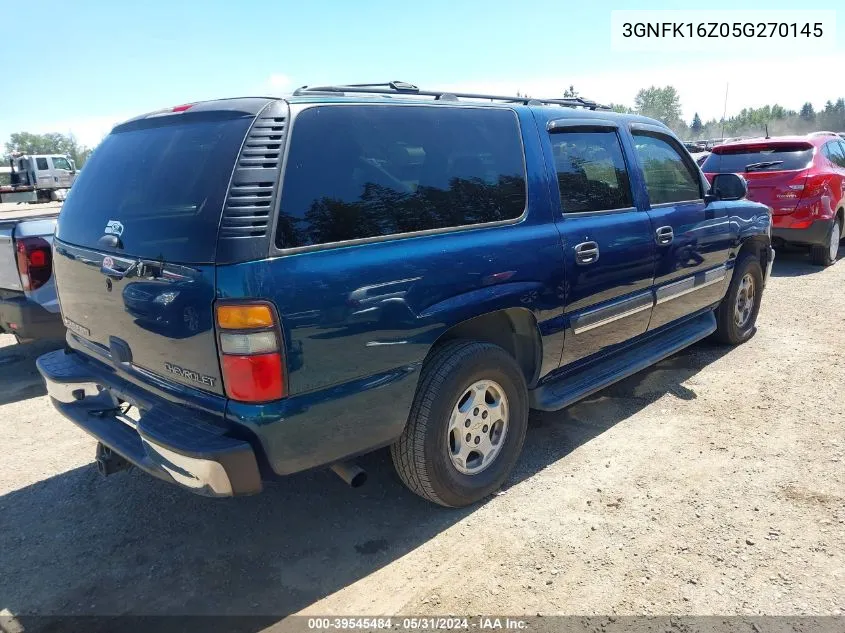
(693, 239)
(608, 248)
(834, 152)
(137, 239)
(43, 172)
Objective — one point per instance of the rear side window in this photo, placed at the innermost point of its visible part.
(835, 152)
(41, 164)
(165, 183)
(769, 157)
(668, 177)
(591, 171)
(357, 172)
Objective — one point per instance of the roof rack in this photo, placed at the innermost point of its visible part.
(404, 88)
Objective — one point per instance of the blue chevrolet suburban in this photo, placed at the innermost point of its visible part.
(261, 286)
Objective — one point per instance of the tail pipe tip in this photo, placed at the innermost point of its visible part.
(351, 473)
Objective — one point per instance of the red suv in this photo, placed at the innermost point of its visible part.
(802, 179)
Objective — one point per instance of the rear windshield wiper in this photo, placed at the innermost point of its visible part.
(763, 165)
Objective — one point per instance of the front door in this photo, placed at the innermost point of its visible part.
(607, 241)
(693, 239)
(62, 172)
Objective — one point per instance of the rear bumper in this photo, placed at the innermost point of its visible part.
(22, 316)
(168, 441)
(816, 233)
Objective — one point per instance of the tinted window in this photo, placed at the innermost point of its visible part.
(165, 184)
(363, 171)
(41, 164)
(770, 157)
(61, 163)
(591, 172)
(668, 177)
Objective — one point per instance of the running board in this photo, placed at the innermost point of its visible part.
(575, 384)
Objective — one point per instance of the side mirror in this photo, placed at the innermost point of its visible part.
(727, 187)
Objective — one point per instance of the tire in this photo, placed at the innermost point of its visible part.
(731, 329)
(825, 255)
(423, 454)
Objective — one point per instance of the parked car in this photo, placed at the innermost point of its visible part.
(28, 305)
(802, 178)
(699, 157)
(440, 266)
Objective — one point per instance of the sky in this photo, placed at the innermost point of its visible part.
(106, 62)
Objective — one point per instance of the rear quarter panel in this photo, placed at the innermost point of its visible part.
(358, 321)
(45, 296)
(9, 276)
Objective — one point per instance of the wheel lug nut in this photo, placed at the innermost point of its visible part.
(476, 411)
(484, 416)
(469, 437)
(467, 423)
(484, 430)
(477, 439)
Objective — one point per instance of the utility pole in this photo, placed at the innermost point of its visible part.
(725, 111)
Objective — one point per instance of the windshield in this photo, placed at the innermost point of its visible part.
(165, 183)
(764, 158)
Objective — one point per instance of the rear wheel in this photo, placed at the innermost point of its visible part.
(467, 424)
(736, 316)
(825, 254)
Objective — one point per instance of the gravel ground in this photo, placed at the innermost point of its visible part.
(712, 483)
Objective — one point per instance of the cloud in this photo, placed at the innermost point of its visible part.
(278, 84)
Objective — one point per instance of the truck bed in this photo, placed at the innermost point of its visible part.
(10, 212)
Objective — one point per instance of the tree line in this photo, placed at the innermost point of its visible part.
(658, 102)
(664, 104)
(51, 143)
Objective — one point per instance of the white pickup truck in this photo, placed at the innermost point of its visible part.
(29, 308)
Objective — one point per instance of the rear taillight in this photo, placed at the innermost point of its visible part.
(35, 262)
(250, 352)
(814, 186)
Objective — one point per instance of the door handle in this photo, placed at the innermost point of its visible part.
(664, 235)
(586, 253)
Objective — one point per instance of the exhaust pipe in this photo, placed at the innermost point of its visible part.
(351, 473)
(109, 462)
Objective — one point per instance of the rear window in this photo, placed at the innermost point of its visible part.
(364, 171)
(763, 158)
(165, 183)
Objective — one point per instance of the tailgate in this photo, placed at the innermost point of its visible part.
(158, 317)
(9, 277)
(136, 243)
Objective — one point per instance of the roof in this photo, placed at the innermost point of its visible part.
(403, 93)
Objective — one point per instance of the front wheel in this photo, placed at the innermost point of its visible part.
(825, 254)
(736, 316)
(467, 424)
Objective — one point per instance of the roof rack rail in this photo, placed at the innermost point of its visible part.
(402, 87)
